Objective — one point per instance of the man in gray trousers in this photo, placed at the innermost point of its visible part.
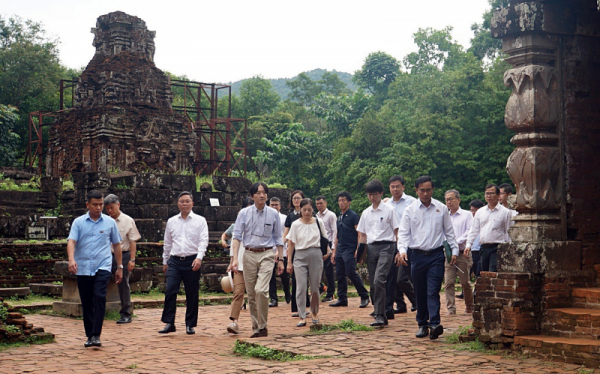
(129, 235)
(378, 228)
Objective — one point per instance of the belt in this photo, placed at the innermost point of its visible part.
(382, 242)
(427, 253)
(489, 245)
(183, 258)
(258, 249)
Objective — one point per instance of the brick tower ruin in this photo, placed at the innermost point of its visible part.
(122, 117)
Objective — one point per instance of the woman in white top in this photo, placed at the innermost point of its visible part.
(239, 287)
(304, 238)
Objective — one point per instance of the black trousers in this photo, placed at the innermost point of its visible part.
(476, 268)
(177, 271)
(345, 266)
(330, 275)
(92, 292)
(285, 282)
(489, 257)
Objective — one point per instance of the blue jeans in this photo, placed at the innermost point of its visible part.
(345, 265)
(428, 274)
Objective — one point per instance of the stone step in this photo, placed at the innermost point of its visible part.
(586, 298)
(569, 350)
(16, 291)
(579, 323)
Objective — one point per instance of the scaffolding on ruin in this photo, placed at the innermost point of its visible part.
(221, 140)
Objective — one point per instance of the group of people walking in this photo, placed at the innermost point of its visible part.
(402, 238)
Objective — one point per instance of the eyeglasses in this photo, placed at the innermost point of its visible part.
(490, 193)
(450, 199)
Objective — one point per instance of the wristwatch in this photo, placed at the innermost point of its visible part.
(132, 260)
(120, 266)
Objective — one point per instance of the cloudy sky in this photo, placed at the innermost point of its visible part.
(227, 40)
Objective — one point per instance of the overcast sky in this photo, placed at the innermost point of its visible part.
(227, 40)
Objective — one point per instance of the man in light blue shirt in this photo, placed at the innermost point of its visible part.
(259, 228)
(90, 258)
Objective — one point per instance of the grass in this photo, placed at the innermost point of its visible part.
(454, 337)
(132, 366)
(266, 353)
(474, 346)
(29, 341)
(30, 299)
(347, 325)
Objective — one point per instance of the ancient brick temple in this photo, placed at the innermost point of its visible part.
(122, 117)
(545, 297)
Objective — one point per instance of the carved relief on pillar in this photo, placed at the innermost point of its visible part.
(533, 113)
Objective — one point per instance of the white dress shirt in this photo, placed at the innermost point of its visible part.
(330, 222)
(185, 237)
(400, 205)
(282, 218)
(461, 223)
(379, 224)
(491, 225)
(425, 228)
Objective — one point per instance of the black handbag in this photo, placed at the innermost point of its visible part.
(324, 241)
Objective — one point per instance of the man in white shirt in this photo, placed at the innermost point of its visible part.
(275, 203)
(378, 228)
(129, 235)
(505, 191)
(461, 223)
(330, 222)
(259, 228)
(491, 224)
(424, 226)
(186, 240)
(399, 279)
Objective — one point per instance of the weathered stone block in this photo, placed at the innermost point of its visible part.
(183, 183)
(51, 184)
(231, 184)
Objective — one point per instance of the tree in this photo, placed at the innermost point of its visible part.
(257, 97)
(340, 112)
(8, 139)
(29, 70)
(303, 90)
(436, 48)
(483, 46)
(377, 73)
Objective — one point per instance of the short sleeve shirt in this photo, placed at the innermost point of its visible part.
(128, 230)
(93, 243)
(347, 234)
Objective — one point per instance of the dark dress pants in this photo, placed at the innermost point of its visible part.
(428, 274)
(379, 260)
(345, 266)
(489, 257)
(124, 288)
(285, 282)
(92, 292)
(330, 275)
(177, 271)
(476, 268)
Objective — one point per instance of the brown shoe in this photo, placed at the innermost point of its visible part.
(450, 313)
(260, 334)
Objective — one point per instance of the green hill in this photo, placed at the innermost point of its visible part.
(283, 90)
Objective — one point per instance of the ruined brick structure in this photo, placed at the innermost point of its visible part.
(543, 294)
(122, 117)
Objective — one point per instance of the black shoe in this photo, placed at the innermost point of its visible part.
(461, 296)
(379, 321)
(413, 308)
(327, 299)
(96, 341)
(243, 306)
(190, 330)
(124, 320)
(400, 311)
(169, 327)
(372, 314)
(339, 303)
(364, 303)
(423, 332)
(288, 298)
(389, 315)
(260, 334)
(436, 331)
(273, 303)
(88, 343)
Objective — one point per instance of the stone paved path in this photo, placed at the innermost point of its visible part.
(138, 348)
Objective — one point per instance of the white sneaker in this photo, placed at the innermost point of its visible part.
(233, 328)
